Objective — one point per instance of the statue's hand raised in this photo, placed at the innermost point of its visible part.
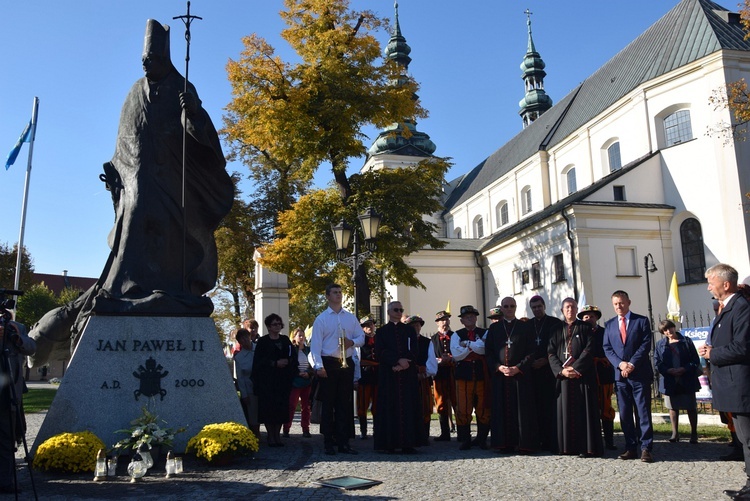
(189, 103)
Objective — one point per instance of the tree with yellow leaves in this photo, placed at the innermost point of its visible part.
(288, 119)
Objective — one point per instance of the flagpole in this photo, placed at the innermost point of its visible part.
(19, 253)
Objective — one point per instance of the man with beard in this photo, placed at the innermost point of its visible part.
(572, 362)
(544, 381)
(605, 374)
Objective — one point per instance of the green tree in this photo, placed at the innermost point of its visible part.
(36, 301)
(8, 257)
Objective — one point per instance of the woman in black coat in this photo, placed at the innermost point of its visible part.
(677, 361)
(274, 368)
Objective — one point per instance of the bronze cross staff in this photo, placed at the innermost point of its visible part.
(187, 19)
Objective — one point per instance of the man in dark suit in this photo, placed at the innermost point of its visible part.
(627, 343)
(729, 354)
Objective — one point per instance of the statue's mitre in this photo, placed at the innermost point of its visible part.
(156, 40)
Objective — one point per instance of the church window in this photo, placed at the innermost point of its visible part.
(613, 155)
(502, 213)
(536, 275)
(478, 227)
(693, 256)
(625, 261)
(570, 178)
(526, 199)
(619, 193)
(677, 128)
(457, 233)
(558, 265)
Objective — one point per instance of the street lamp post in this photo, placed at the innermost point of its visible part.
(370, 222)
(651, 269)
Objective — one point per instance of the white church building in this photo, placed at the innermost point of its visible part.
(617, 177)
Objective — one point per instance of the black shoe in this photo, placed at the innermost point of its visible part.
(286, 434)
(330, 450)
(465, 446)
(743, 493)
(409, 450)
(363, 436)
(674, 439)
(347, 450)
(306, 434)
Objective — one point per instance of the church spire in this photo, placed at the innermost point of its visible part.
(394, 139)
(536, 101)
(397, 49)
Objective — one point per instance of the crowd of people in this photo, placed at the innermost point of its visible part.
(538, 384)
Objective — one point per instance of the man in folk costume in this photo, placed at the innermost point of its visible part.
(427, 368)
(541, 374)
(444, 384)
(398, 416)
(605, 374)
(572, 362)
(510, 347)
(367, 387)
(467, 347)
(496, 314)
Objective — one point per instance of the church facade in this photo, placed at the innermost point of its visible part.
(617, 178)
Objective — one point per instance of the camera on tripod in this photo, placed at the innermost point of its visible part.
(7, 304)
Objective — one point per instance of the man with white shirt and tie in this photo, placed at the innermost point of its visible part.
(336, 376)
(627, 343)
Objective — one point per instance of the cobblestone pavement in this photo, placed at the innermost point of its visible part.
(439, 471)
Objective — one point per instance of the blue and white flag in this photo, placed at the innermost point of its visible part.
(25, 138)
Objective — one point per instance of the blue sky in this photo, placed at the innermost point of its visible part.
(81, 58)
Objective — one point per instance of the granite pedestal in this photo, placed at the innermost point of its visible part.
(174, 366)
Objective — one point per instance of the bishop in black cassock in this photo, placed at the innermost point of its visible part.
(572, 362)
(509, 347)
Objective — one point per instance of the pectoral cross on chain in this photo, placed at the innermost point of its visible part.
(538, 340)
(566, 352)
(508, 343)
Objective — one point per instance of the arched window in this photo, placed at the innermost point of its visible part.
(526, 199)
(570, 178)
(501, 213)
(677, 128)
(613, 155)
(457, 233)
(478, 227)
(693, 256)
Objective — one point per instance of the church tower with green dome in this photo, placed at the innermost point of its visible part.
(536, 101)
(395, 147)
